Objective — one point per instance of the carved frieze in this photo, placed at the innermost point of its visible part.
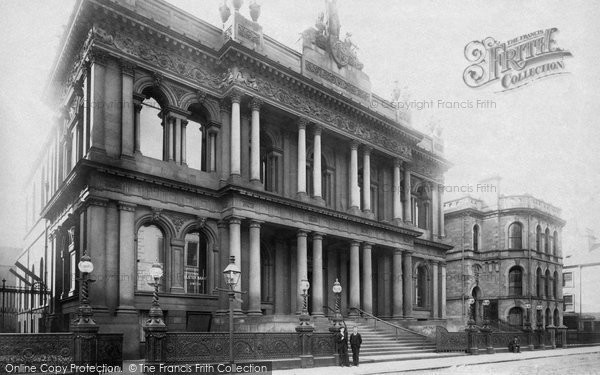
(339, 82)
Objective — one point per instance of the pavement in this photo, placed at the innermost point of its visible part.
(440, 362)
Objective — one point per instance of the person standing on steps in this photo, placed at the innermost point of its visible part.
(355, 341)
(341, 338)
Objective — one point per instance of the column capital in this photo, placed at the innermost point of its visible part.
(317, 129)
(255, 104)
(355, 243)
(317, 236)
(234, 219)
(236, 95)
(175, 112)
(302, 122)
(127, 67)
(398, 162)
(96, 201)
(213, 127)
(222, 224)
(126, 206)
(367, 245)
(367, 150)
(225, 105)
(354, 144)
(302, 233)
(96, 56)
(256, 223)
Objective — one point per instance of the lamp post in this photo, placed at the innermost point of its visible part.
(231, 274)
(486, 322)
(528, 327)
(155, 327)
(471, 344)
(84, 311)
(486, 329)
(337, 316)
(304, 316)
(540, 326)
(84, 327)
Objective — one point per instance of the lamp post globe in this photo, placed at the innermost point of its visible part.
(232, 273)
(85, 265)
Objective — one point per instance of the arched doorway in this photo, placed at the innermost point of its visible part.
(515, 316)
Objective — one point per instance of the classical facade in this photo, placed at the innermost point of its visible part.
(184, 144)
(506, 251)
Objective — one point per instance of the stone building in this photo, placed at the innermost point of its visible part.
(184, 143)
(507, 251)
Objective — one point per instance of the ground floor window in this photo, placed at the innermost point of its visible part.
(515, 316)
(195, 263)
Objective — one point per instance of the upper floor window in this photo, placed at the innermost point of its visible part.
(196, 147)
(475, 237)
(555, 286)
(269, 164)
(151, 126)
(195, 272)
(569, 302)
(555, 243)
(421, 286)
(150, 249)
(567, 280)
(421, 207)
(547, 241)
(538, 238)
(515, 281)
(515, 236)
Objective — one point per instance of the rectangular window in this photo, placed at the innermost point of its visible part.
(569, 304)
(567, 280)
(195, 264)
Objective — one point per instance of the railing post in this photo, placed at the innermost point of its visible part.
(305, 336)
(487, 331)
(471, 343)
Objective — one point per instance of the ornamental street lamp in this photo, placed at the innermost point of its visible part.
(486, 322)
(231, 274)
(304, 316)
(337, 317)
(84, 312)
(471, 321)
(156, 313)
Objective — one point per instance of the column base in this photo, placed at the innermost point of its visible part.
(256, 184)
(319, 201)
(317, 314)
(254, 313)
(125, 309)
(369, 215)
(234, 179)
(301, 195)
(398, 221)
(354, 210)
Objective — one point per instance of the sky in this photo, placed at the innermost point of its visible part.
(542, 139)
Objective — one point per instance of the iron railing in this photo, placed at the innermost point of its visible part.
(386, 325)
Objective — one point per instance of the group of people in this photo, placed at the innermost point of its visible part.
(341, 340)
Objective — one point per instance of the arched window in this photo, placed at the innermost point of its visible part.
(555, 243)
(547, 284)
(421, 286)
(515, 316)
(515, 236)
(555, 285)
(269, 164)
(475, 237)
(421, 207)
(150, 249)
(547, 241)
(195, 271)
(196, 147)
(538, 238)
(548, 319)
(556, 318)
(151, 125)
(515, 281)
(539, 282)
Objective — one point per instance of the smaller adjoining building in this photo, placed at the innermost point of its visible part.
(507, 251)
(580, 278)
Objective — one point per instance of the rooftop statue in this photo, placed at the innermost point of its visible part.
(326, 35)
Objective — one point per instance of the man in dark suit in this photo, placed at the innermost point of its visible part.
(341, 338)
(355, 341)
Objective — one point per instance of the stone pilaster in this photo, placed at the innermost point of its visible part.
(254, 275)
(397, 285)
(367, 277)
(301, 266)
(317, 275)
(354, 277)
(255, 105)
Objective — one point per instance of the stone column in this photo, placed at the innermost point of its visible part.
(332, 274)
(211, 165)
(354, 192)
(255, 104)
(235, 144)
(137, 106)
(434, 290)
(301, 267)
(367, 276)
(302, 122)
(184, 142)
(235, 249)
(95, 243)
(167, 138)
(223, 231)
(435, 211)
(98, 61)
(317, 163)
(442, 219)
(397, 202)
(443, 291)
(127, 110)
(407, 195)
(177, 136)
(112, 256)
(408, 283)
(254, 274)
(397, 285)
(317, 275)
(366, 179)
(224, 141)
(354, 277)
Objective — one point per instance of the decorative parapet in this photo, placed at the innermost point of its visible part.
(462, 204)
(527, 201)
